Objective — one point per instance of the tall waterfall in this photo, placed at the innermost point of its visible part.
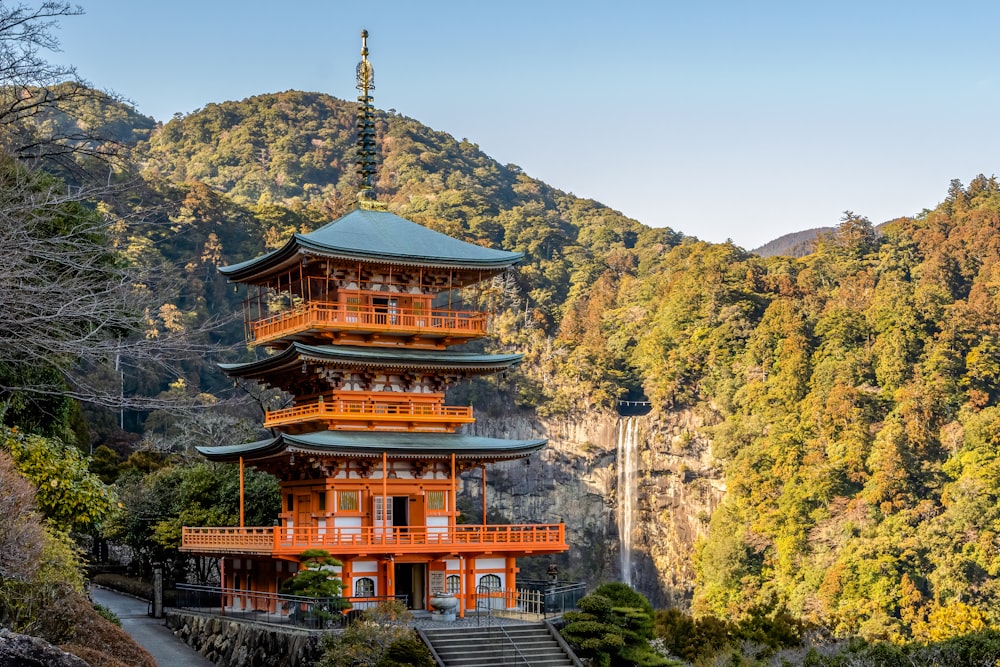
(628, 442)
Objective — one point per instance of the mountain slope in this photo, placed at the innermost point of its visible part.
(850, 396)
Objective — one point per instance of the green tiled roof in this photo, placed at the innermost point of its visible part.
(377, 236)
(394, 357)
(369, 443)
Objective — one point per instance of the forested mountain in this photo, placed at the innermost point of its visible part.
(852, 392)
(796, 244)
(280, 163)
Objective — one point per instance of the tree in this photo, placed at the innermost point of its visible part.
(42, 104)
(316, 577)
(159, 501)
(68, 494)
(613, 628)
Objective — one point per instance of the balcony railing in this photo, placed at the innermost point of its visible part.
(317, 316)
(352, 411)
(528, 538)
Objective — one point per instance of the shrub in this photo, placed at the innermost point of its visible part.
(406, 652)
(367, 640)
(613, 628)
(691, 638)
(106, 613)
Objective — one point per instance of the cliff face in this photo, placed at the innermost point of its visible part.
(575, 480)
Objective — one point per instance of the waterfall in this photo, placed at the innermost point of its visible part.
(628, 428)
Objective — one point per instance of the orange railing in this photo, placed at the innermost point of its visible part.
(320, 315)
(394, 539)
(361, 410)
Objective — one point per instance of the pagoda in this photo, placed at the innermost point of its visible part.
(361, 319)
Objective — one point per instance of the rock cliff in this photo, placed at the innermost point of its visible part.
(24, 651)
(575, 480)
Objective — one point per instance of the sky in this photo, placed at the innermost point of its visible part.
(722, 119)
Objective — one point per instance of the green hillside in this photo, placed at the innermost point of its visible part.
(851, 394)
(853, 391)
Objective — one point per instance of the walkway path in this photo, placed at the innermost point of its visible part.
(150, 633)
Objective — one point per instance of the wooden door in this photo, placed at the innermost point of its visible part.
(303, 518)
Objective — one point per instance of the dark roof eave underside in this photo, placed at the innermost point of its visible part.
(294, 355)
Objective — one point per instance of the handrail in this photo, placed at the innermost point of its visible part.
(319, 314)
(381, 409)
(510, 640)
(281, 539)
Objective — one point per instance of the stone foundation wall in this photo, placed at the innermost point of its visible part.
(232, 643)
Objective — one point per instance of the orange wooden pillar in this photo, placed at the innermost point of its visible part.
(511, 582)
(388, 576)
(470, 582)
(346, 576)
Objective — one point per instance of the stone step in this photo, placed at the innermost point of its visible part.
(534, 649)
(476, 647)
(533, 645)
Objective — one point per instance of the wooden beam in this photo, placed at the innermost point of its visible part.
(242, 504)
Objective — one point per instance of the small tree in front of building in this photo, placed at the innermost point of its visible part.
(317, 578)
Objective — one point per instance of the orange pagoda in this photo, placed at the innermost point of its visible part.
(361, 318)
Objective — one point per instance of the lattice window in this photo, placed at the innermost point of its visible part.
(435, 500)
(453, 584)
(364, 587)
(490, 582)
(347, 501)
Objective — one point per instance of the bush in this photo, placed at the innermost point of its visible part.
(367, 641)
(406, 652)
(690, 638)
(128, 585)
(613, 628)
(71, 621)
(104, 612)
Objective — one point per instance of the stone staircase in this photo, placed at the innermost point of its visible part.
(523, 645)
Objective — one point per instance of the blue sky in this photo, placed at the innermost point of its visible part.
(720, 119)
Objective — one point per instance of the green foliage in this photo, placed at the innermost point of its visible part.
(316, 576)
(108, 614)
(975, 648)
(691, 638)
(849, 394)
(159, 504)
(37, 561)
(68, 494)
(406, 652)
(853, 428)
(105, 463)
(380, 637)
(613, 628)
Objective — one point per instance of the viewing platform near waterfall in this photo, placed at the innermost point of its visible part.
(634, 408)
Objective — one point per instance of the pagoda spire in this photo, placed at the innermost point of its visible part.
(366, 153)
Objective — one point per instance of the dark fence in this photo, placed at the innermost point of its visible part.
(264, 607)
(558, 597)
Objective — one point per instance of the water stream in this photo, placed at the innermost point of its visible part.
(628, 442)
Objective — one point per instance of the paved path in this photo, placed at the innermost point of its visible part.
(150, 633)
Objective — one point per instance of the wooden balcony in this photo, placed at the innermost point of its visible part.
(312, 319)
(371, 414)
(363, 541)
